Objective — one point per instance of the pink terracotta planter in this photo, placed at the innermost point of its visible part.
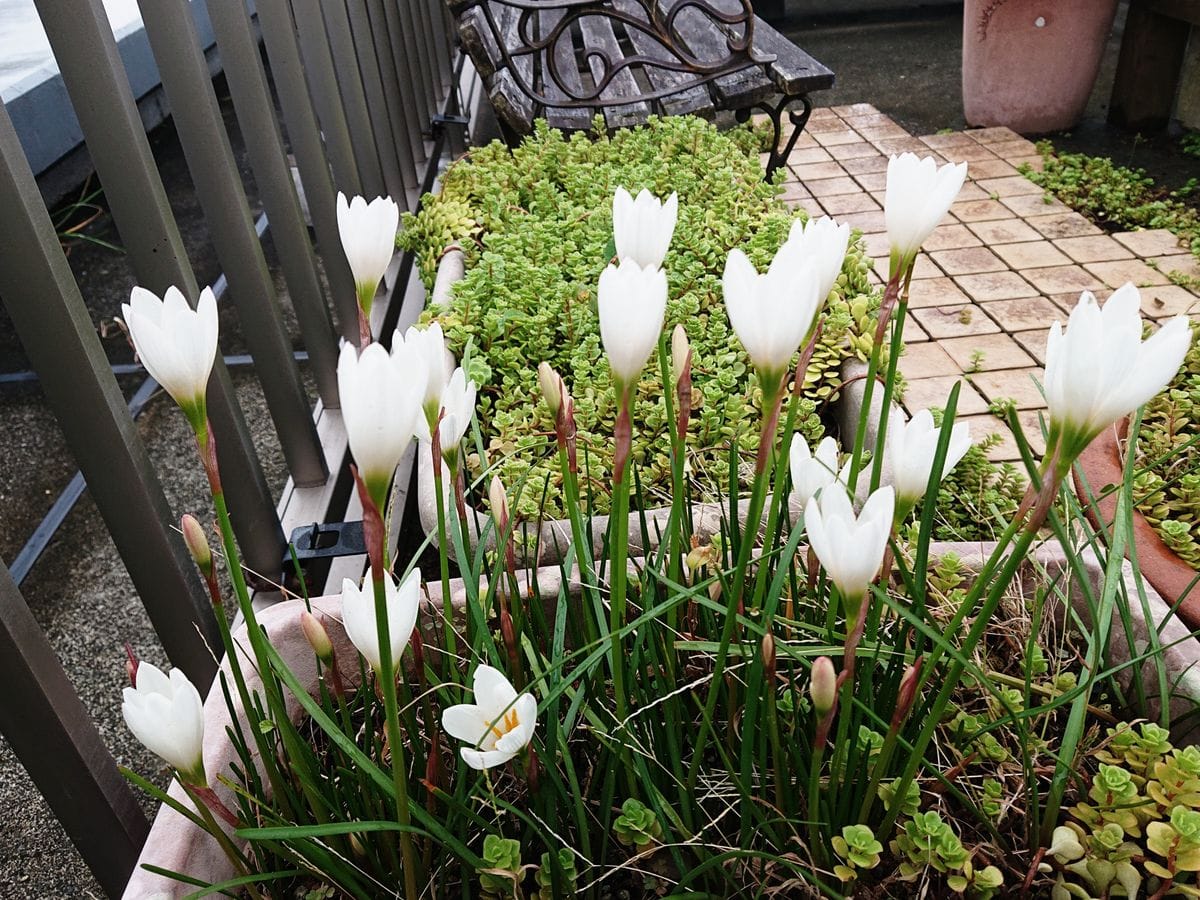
(1103, 463)
(1031, 64)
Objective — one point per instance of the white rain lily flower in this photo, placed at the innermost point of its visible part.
(427, 347)
(458, 402)
(1100, 369)
(919, 194)
(632, 301)
(176, 344)
(773, 311)
(824, 242)
(642, 228)
(381, 395)
(911, 448)
(166, 714)
(850, 547)
(498, 725)
(812, 472)
(368, 232)
(361, 624)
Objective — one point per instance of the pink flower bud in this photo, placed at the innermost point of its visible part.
(823, 687)
(317, 636)
(197, 544)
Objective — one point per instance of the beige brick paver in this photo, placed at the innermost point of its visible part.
(958, 320)
(833, 138)
(1062, 225)
(1156, 242)
(982, 426)
(860, 150)
(866, 164)
(1031, 255)
(1012, 186)
(926, 361)
(1115, 274)
(992, 135)
(980, 210)
(1092, 248)
(935, 292)
(872, 181)
(942, 141)
(844, 204)
(968, 153)
(1024, 313)
(1062, 279)
(1003, 231)
(808, 155)
(1183, 264)
(1029, 205)
(1014, 149)
(998, 351)
(1034, 342)
(827, 187)
(968, 260)
(989, 286)
(1017, 385)
(812, 171)
(951, 237)
(924, 393)
(1165, 300)
(991, 168)
(867, 221)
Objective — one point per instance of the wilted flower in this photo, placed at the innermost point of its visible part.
(773, 311)
(1100, 369)
(918, 195)
(498, 725)
(850, 547)
(167, 715)
(824, 242)
(681, 351)
(176, 344)
(361, 624)
(911, 448)
(632, 302)
(813, 471)
(642, 228)
(381, 395)
(368, 232)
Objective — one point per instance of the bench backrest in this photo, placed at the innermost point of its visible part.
(577, 54)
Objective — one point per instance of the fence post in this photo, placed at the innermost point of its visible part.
(56, 741)
(378, 108)
(260, 130)
(82, 41)
(57, 333)
(206, 148)
(305, 139)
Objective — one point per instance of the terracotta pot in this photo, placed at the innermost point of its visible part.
(1103, 463)
(1031, 64)
(178, 845)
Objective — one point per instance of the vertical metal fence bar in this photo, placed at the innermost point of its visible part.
(264, 142)
(304, 137)
(445, 42)
(317, 65)
(58, 744)
(189, 90)
(83, 44)
(354, 100)
(57, 333)
(402, 127)
(378, 108)
(404, 81)
(423, 87)
(434, 58)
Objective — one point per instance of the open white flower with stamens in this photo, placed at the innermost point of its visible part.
(166, 714)
(642, 228)
(498, 725)
(362, 625)
(1100, 369)
(176, 344)
(812, 472)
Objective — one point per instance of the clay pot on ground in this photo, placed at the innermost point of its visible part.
(1031, 64)
(1103, 464)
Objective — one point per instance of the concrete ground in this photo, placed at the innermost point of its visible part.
(907, 66)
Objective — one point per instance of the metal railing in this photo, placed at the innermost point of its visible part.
(363, 88)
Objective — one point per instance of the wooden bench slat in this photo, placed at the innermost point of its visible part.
(794, 71)
(568, 118)
(684, 100)
(744, 87)
(598, 35)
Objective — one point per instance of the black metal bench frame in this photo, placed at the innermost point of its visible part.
(568, 60)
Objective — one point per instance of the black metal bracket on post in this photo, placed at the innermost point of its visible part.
(440, 122)
(798, 119)
(315, 546)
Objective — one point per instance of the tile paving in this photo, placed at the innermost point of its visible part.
(1004, 265)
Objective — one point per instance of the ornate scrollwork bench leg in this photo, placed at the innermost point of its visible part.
(797, 117)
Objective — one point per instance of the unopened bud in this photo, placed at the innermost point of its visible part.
(552, 388)
(768, 655)
(822, 689)
(907, 693)
(197, 543)
(131, 664)
(680, 353)
(498, 497)
(318, 637)
(356, 846)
